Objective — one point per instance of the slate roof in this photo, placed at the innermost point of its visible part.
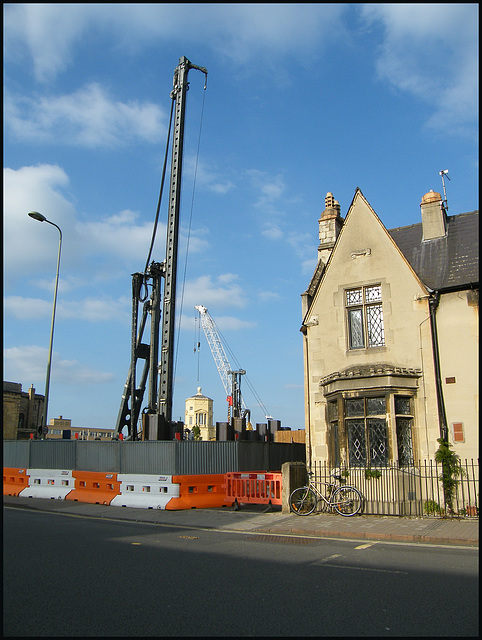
(443, 263)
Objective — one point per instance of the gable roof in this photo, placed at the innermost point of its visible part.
(451, 261)
(447, 263)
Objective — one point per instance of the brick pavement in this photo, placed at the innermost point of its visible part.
(251, 519)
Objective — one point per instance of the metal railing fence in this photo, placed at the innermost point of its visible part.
(409, 490)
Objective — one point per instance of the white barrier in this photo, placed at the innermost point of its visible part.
(145, 491)
(48, 483)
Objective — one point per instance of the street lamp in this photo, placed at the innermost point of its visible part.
(41, 218)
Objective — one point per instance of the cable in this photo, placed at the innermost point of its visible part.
(189, 229)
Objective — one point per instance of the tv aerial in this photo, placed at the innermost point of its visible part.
(444, 173)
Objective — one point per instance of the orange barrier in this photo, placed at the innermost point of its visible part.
(94, 487)
(14, 481)
(253, 488)
(201, 491)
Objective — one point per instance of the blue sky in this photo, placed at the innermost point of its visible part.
(301, 99)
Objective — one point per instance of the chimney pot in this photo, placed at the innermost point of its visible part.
(433, 216)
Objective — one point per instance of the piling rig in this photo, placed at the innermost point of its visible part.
(158, 372)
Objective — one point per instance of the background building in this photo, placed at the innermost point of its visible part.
(61, 428)
(22, 411)
(199, 413)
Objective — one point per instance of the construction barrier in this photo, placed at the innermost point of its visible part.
(94, 487)
(253, 488)
(14, 481)
(54, 484)
(145, 491)
(201, 491)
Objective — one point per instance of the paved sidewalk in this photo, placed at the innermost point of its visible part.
(254, 519)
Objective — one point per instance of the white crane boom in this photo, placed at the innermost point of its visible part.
(220, 358)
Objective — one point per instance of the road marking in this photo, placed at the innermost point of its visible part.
(189, 537)
(366, 546)
(335, 555)
(345, 566)
(137, 543)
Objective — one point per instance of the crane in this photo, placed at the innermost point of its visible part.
(158, 415)
(230, 378)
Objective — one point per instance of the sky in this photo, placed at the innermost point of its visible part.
(301, 100)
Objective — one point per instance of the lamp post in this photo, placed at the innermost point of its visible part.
(41, 218)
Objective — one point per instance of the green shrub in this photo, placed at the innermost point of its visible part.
(430, 507)
(451, 470)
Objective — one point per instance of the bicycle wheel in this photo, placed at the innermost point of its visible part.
(303, 501)
(347, 501)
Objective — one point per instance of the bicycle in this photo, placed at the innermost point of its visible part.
(345, 500)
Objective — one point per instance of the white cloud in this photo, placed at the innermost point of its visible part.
(31, 247)
(223, 323)
(101, 309)
(89, 117)
(268, 296)
(98, 309)
(120, 233)
(28, 363)
(27, 308)
(224, 292)
(239, 32)
(431, 51)
(229, 323)
(207, 177)
(28, 243)
(272, 231)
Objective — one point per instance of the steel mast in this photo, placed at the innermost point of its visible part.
(180, 87)
(159, 411)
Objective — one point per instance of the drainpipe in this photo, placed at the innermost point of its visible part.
(433, 305)
(304, 331)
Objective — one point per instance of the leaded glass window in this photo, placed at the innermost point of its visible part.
(365, 317)
(376, 406)
(367, 434)
(403, 405)
(404, 422)
(377, 434)
(357, 443)
(404, 441)
(355, 407)
(333, 436)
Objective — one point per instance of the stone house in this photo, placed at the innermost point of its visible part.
(390, 334)
(22, 411)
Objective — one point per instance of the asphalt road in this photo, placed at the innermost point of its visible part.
(86, 577)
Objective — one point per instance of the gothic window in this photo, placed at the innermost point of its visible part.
(366, 427)
(404, 422)
(365, 317)
(333, 437)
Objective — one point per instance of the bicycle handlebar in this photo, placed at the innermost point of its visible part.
(335, 475)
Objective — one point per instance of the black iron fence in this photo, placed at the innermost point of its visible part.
(416, 490)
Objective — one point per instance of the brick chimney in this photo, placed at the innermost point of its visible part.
(31, 422)
(330, 224)
(434, 218)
